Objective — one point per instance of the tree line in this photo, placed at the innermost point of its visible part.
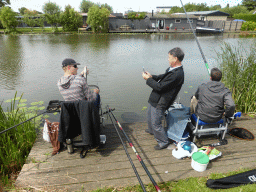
(69, 19)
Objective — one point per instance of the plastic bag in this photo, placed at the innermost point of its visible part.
(46, 136)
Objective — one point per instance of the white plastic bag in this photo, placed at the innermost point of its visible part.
(46, 136)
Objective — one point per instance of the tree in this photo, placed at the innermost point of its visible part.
(70, 19)
(8, 19)
(30, 18)
(22, 10)
(86, 5)
(98, 19)
(215, 7)
(4, 3)
(52, 14)
(107, 7)
(235, 10)
(250, 4)
(176, 9)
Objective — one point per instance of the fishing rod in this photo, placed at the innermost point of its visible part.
(134, 168)
(201, 51)
(135, 151)
(53, 106)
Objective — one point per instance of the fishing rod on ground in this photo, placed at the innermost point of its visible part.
(53, 106)
(134, 168)
(201, 51)
(135, 151)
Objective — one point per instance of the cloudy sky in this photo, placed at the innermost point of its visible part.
(118, 5)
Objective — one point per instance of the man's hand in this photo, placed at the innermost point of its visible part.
(96, 91)
(146, 75)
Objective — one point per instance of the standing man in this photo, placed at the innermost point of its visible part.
(165, 89)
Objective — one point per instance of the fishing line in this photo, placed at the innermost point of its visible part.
(201, 51)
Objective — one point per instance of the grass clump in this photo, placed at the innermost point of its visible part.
(16, 143)
(238, 66)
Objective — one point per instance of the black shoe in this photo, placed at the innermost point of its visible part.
(147, 131)
(157, 147)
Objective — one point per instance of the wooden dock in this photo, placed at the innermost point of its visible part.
(109, 165)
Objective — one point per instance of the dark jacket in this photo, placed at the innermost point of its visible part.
(212, 97)
(165, 87)
(80, 117)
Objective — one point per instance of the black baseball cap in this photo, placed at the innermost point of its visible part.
(69, 61)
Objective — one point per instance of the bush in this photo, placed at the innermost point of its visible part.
(248, 26)
(246, 17)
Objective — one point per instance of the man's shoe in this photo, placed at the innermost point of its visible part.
(157, 147)
(147, 131)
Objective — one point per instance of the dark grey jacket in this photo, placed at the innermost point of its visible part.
(212, 97)
(165, 87)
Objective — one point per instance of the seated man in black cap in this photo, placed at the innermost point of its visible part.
(74, 87)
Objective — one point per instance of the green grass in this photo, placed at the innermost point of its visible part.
(192, 184)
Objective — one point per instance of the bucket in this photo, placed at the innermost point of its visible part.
(199, 161)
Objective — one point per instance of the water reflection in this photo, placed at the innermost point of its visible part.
(10, 61)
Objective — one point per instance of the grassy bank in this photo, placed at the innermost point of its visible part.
(238, 66)
(191, 184)
(16, 143)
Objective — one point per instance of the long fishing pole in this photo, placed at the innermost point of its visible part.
(134, 168)
(205, 62)
(137, 154)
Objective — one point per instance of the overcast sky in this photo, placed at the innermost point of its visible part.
(119, 6)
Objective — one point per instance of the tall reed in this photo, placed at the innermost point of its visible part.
(238, 66)
(16, 143)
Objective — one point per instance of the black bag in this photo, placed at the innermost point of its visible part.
(248, 177)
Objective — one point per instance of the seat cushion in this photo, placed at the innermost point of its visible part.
(200, 122)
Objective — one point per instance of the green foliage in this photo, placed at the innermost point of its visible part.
(98, 19)
(22, 10)
(29, 18)
(246, 17)
(4, 3)
(136, 15)
(176, 9)
(41, 21)
(239, 74)
(87, 4)
(70, 19)
(250, 4)
(52, 14)
(248, 26)
(235, 10)
(16, 143)
(8, 19)
(196, 7)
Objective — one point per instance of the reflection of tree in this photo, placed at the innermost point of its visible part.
(10, 61)
(99, 41)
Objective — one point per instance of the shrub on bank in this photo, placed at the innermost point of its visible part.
(248, 26)
(238, 66)
(16, 143)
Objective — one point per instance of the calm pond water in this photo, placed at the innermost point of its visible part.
(31, 64)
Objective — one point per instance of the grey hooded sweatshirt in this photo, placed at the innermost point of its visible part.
(75, 87)
(212, 97)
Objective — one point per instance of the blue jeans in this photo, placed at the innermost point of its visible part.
(155, 117)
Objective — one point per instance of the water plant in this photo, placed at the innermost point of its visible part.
(16, 143)
(238, 66)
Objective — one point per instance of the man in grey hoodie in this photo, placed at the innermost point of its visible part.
(74, 87)
(212, 100)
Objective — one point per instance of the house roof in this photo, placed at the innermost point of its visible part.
(163, 16)
(206, 13)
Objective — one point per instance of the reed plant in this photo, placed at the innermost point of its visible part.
(16, 143)
(238, 66)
